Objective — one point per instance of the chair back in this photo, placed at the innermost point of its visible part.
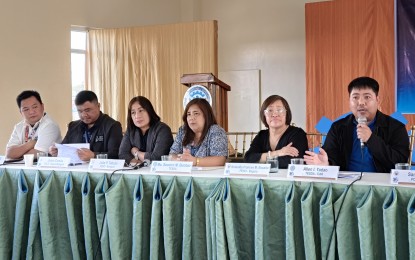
(238, 144)
(315, 141)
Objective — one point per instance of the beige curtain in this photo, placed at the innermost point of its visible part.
(149, 61)
(346, 39)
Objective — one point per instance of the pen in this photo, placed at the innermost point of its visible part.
(74, 164)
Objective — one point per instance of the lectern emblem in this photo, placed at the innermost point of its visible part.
(197, 91)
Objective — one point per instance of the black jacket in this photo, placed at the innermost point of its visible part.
(159, 141)
(106, 136)
(261, 145)
(388, 144)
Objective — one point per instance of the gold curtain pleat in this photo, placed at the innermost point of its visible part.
(346, 39)
(149, 61)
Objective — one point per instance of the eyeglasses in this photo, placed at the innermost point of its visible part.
(271, 112)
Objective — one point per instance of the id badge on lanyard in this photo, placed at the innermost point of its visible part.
(29, 136)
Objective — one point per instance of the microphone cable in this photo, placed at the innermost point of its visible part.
(134, 167)
(336, 218)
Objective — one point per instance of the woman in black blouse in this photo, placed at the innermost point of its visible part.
(280, 138)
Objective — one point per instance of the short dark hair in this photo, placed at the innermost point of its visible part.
(84, 96)
(364, 82)
(210, 120)
(27, 94)
(147, 106)
(271, 99)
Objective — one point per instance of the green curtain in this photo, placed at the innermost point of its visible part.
(77, 215)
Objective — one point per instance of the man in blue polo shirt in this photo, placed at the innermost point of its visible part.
(366, 140)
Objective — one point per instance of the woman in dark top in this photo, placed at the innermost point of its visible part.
(280, 138)
(146, 136)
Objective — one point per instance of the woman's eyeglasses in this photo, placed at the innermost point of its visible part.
(278, 112)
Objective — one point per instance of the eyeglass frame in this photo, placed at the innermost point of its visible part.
(278, 112)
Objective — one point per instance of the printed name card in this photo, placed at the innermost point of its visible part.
(106, 164)
(171, 166)
(260, 169)
(2, 158)
(313, 171)
(52, 162)
(402, 176)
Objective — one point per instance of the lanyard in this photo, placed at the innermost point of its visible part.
(30, 136)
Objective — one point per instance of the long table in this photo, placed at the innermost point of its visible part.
(61, 213)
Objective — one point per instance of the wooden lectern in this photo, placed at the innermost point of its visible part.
(218, 90)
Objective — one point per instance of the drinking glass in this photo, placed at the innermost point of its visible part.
(102, 156)
(402, 166)
(166, 157)
(273, 160)
(28, 160)
(297, 161)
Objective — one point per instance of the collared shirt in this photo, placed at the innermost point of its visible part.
(46, 131)
(30, 132)
(361, 160)
(86, 137)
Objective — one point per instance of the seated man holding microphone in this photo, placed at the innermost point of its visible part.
(367, 140)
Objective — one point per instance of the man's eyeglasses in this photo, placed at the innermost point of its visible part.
(271, 112)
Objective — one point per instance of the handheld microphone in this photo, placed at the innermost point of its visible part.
(362, 120)
(144, 163)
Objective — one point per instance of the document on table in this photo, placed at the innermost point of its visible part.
(350, 175)
(70, 151)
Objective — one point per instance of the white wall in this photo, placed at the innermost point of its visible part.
(35, 47)
(268, 36)
(265, 35)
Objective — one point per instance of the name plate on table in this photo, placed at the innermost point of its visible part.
(2, 158)
(259, 169)
(313, 171)
(402, 176)
(52, 162)
(106, 164)
(171, 166)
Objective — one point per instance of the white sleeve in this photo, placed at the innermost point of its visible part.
(47, 135)
(16, 138)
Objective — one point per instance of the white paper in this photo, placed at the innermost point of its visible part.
(70, 151)
(313, 171)
(253, 169)
(402, 176)
(349, 175)
(106, 164)
(53, 162)
(171, 166)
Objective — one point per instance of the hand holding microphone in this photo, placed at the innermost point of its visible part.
(363, 131)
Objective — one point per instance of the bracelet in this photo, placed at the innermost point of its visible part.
(197, 161)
